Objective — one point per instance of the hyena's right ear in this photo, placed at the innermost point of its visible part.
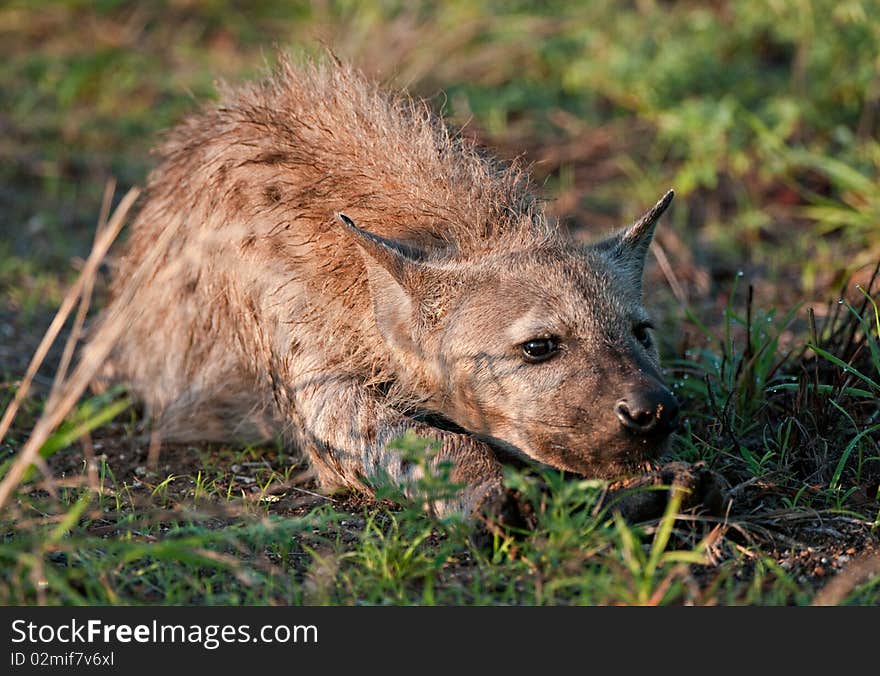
(397, 279)
(629, 248)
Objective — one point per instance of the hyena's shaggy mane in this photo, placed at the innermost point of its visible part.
(381, 157)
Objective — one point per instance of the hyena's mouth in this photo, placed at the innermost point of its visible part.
(642, 463)
(634, 457)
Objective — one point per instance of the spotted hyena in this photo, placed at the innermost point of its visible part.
(327, 261)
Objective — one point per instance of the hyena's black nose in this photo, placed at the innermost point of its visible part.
(649, 412)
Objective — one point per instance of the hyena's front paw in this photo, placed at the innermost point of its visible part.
(646, 497)
(503, 512)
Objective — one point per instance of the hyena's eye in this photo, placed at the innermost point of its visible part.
(642, 333)
(539, 349)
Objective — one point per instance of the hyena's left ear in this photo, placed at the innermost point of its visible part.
(628, 249)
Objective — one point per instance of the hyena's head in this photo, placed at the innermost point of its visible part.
(545, 353)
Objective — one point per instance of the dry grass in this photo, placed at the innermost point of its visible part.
(66, 392)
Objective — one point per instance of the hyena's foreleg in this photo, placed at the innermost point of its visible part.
(348, 435)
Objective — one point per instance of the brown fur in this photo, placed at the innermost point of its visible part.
(271, 312)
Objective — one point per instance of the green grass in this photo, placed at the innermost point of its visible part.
(765, 118)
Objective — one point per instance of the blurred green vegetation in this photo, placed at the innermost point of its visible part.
(763, 115)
